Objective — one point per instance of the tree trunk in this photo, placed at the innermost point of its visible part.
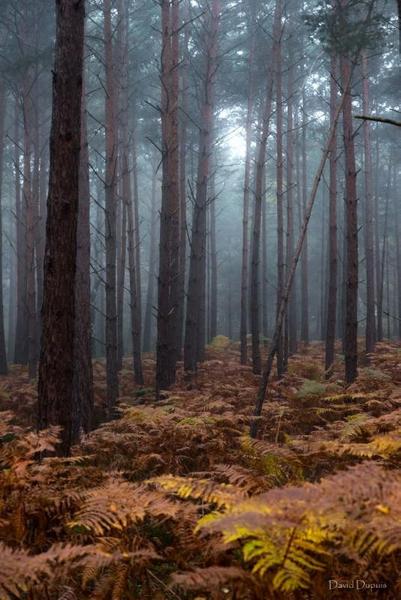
(333, 274)
(83, 374)
(304, 258)
(147, 329)
(183, 181)
(169, 257)
(110, 216)
(213, 260)
(280, 196)
(21, 327)
(292, 310)
(195, 318)
(273, 349)
(369, 235)
(247, 179)
(29, 229)
(56, 368)
(259, 189)
(351, 297)
(379, 297)
(3, 354)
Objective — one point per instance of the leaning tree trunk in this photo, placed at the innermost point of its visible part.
(351, 293)
(56, 368)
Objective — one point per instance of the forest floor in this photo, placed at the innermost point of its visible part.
(173, 499)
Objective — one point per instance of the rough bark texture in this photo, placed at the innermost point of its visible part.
(169, 256)
(83, 374)
(56, 368)
(332, 284)
(351, 293)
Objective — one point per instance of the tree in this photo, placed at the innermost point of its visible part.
(56, 367)
(195, 319)
(169, 257)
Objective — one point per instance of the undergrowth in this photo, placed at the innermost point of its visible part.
(174, 500)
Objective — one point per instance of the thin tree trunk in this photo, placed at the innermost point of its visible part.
(284, 300)
(195, 318)
(213, 260)
(280, 196)
(147, 329)
(351, 296)
(377, 252)
(259, 189)
(3, 353)
(110, 215)
(333, 271)
(292, 313)
(369, 235)
(29, 231)
(247, 179)
(21, 327)
(304, 258)
(183, 180)
(56, 368)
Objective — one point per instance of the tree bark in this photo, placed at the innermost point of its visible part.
(56, 368)
(369, 234)
(195, 318)
(351, 295)
(333, 271)
(3, 353)
(110, 215)
(247, 180)
(169, 256)
(259, 190)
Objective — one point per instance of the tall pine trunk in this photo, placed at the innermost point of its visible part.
(56, 368)
(195, 318)
(351, 292)
(3, 354)
(110, 215)
(333, 271)
(169, 256)
(369, 234)
(83, 374)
